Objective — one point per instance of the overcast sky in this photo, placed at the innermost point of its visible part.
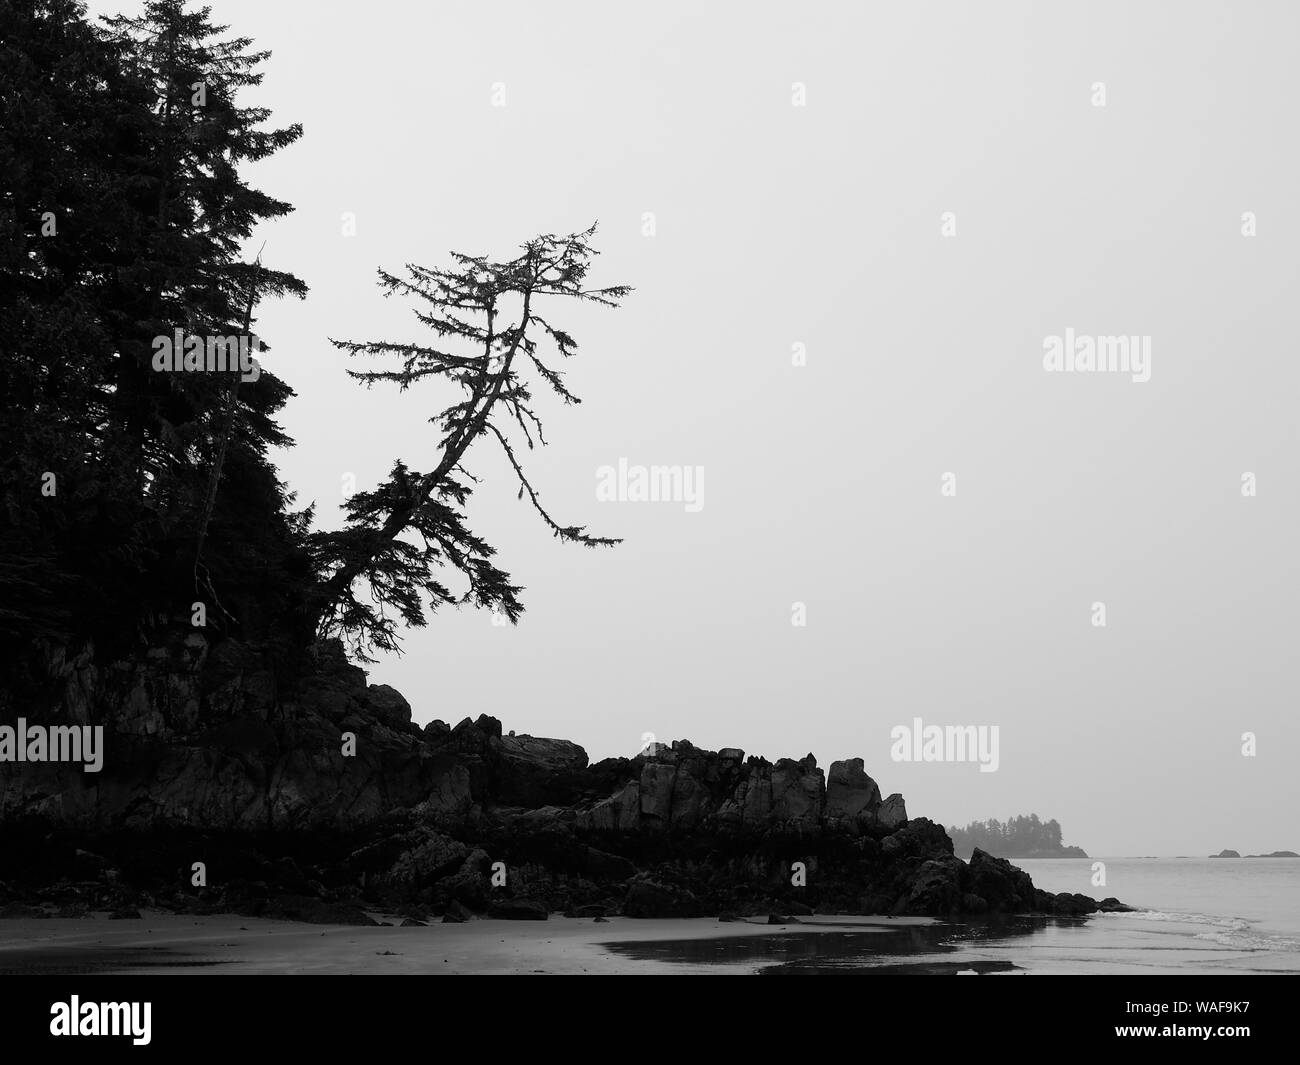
(822, 225)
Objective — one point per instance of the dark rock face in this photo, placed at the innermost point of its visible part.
(851, 795)
(650, 898)
(317, 800)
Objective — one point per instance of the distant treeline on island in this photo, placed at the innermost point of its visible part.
(1270, 854)
(1021, 837)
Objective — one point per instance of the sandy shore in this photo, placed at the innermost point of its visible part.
(167, 943)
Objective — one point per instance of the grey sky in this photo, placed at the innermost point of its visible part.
(820, 225)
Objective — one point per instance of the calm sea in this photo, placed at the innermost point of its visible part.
(1247, 905)
(1196, 915)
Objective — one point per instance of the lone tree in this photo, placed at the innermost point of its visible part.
(399, 536)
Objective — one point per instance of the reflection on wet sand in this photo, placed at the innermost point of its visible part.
(878, 950)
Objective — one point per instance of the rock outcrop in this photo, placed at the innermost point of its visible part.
(319, 798)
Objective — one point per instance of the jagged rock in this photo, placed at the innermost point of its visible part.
(389, 705)
(470, 884)
(797, 791)
(753, 796)
(540, 753)
(1004, 887)
(621, 812)
(935, 888)
(1074, 905)
(659, 751)
(691, 801)
(489, 726)
(212, 744)
(437, 855)
(533, 770)
(892, 812)
(657, 793)
(919, 837)
(851, 795)
(541, 818)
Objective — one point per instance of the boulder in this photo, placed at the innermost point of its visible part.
(892, 812)
(389, 706)
(469, 884)
(935, 889)
(851, 794)
(1005, 887)
(435, 856)
(621, 812)
(918, 838)
(797, 791)
(1074, 905)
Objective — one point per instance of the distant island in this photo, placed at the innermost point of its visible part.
(1021, 837)
(1271, 854)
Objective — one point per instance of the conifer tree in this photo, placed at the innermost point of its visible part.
(73, 135)
(122, 217)
(494, 339)
(202, 213)
(204, 426)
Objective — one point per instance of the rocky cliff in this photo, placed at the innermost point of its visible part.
(227, 787)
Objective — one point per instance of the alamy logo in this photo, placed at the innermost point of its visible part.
(102, 1018)
(946, 743)
(1089, 354)
(651, 484)
(53, 743)
(210, 354)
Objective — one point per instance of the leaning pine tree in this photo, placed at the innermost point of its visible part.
(401, 535)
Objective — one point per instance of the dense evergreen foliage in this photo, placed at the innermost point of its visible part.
(1020, 837)
(130, 491)
(122, 219)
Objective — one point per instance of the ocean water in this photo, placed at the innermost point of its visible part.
(1195, 915)
(1240, 904)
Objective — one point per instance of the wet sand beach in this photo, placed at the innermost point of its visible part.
(226, 944)
(168, 943)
